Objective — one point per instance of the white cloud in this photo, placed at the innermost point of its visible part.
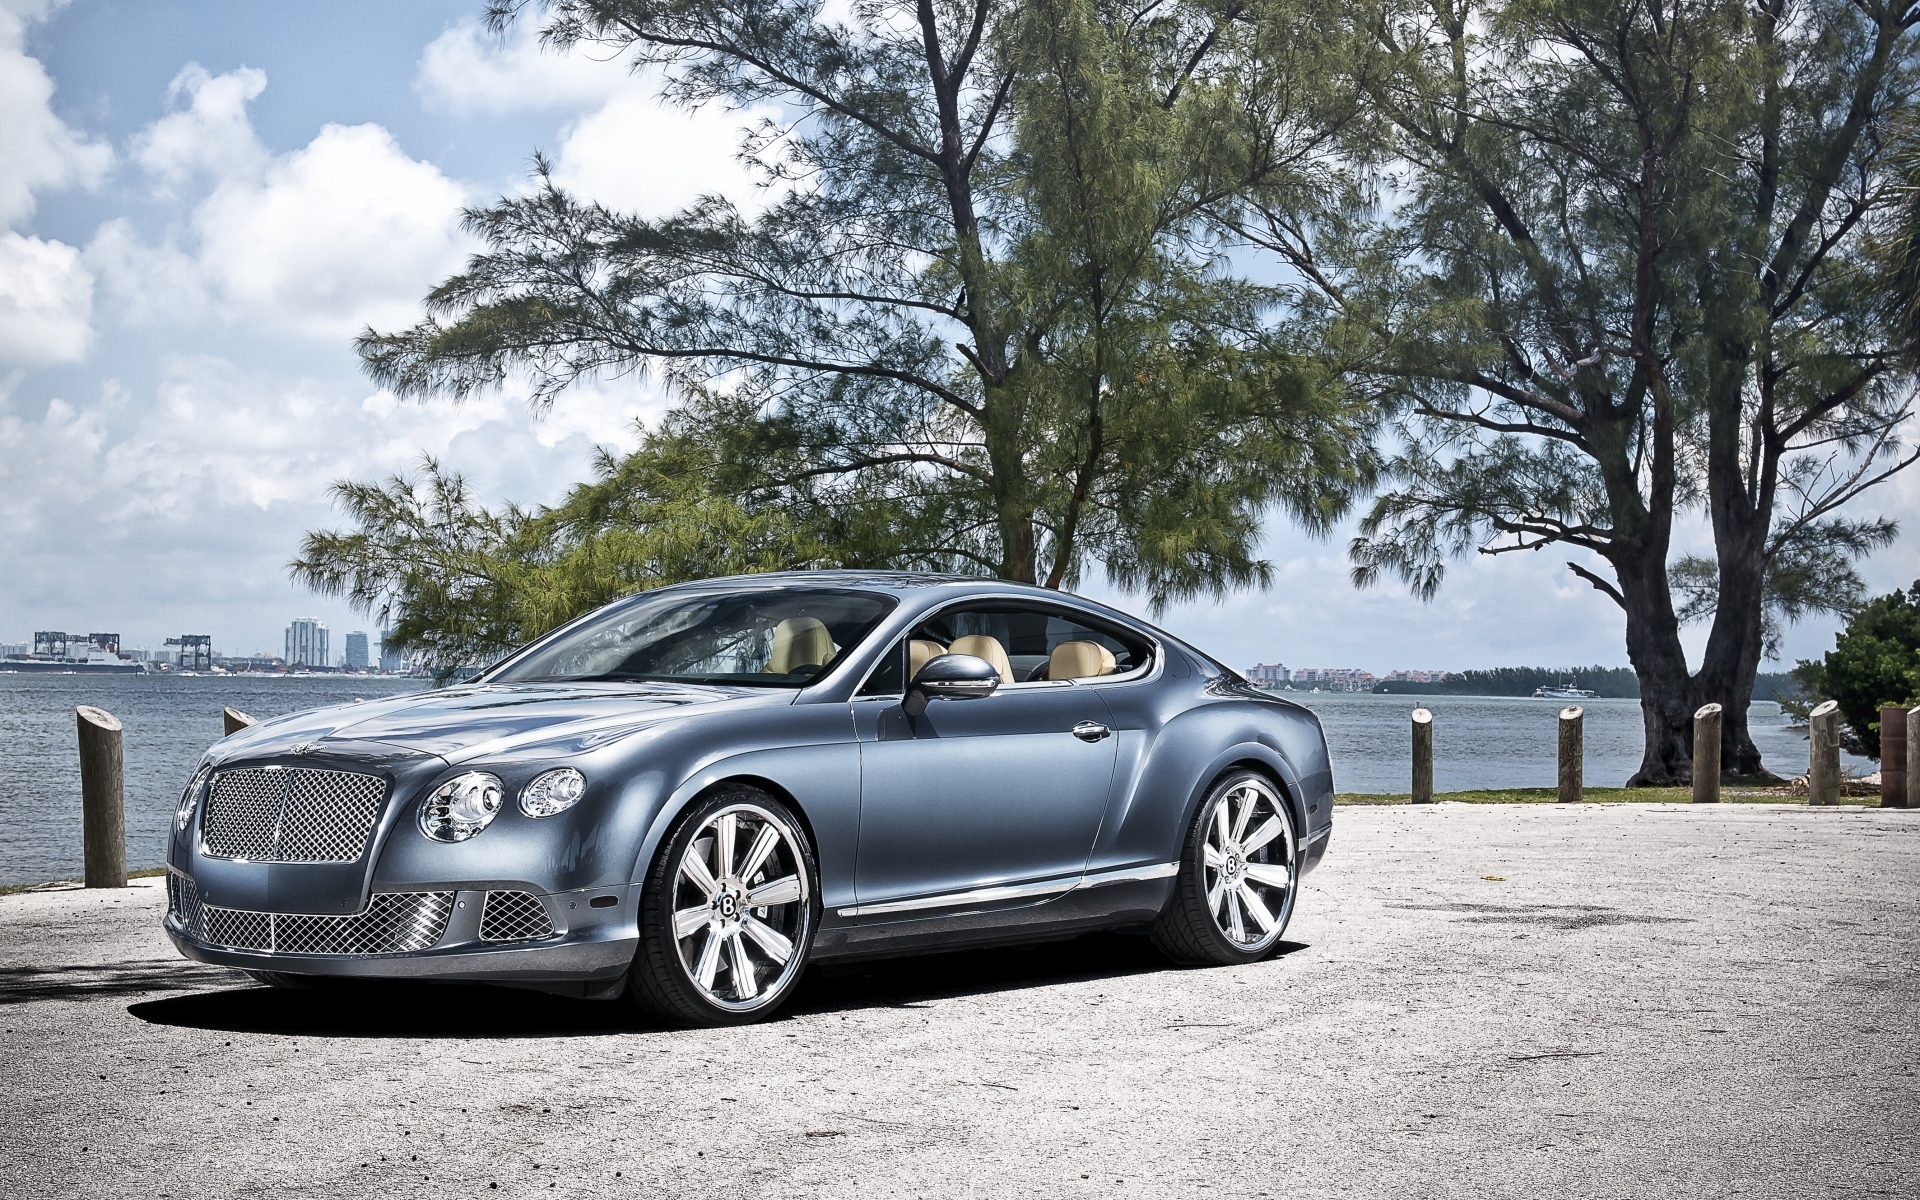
(626, 149)
(211, 134)
(635, 156)
(46, 301)
(46, 293)
(37, 149)
(180, 507)
(347, 231)
(467, 70)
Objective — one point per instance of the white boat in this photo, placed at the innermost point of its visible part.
(1563, 691)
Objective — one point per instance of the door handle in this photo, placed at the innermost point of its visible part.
(1090, 731)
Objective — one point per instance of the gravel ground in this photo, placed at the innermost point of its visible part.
(1618, 1001)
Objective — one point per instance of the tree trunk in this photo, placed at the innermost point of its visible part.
(1653, 647)
(1731, 659)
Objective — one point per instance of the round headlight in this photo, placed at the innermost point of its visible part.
(461, 807)
(552, 792)
(190, 799)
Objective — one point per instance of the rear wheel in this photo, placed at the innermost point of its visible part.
(1238, 872)
(728, 913)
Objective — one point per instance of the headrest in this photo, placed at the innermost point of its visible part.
(919, 652)
(799, 642)
(982, 645)
(1080, 660)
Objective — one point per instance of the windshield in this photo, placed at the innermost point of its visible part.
(782, 637)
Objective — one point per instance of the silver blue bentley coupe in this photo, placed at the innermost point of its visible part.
(684, 798)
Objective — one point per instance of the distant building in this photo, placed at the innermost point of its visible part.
(1415, 677)
(307, 644)
(15, 649)
(356, 651)
(1268, 674)
(1336, 679)
(392, 661)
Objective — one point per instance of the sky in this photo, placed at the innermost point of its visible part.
(201, 204)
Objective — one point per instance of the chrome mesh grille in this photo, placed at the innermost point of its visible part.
(237, 927)
(183, 901)
(514, 917)
(291, 814)
(393, 923)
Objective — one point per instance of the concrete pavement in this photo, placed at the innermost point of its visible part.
(1642, 1001)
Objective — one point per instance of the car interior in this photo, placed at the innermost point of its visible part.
(1025, 645)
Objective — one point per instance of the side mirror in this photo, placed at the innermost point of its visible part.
(950, 677)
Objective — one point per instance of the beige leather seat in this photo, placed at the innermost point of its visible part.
(1080, 660)
(799, 642)
(986, 646)
(919, 652)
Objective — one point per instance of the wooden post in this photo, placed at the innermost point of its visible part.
(1706, 755)
(235, 721)
(1823, 754)
(1422, 756)
(1913, 757)
(1894, 764)
(1572, 753)
(103, 820)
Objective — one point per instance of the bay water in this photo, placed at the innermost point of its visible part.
(1479, 742)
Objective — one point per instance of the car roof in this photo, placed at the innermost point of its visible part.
(901, 583)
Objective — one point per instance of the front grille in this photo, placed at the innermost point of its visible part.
(183, 901)
(514, 917)
(394, 923)
(291, 814)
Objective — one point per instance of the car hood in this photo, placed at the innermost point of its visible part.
(461, 723)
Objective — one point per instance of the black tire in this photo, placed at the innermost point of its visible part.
(1192, 930)
(663, 980)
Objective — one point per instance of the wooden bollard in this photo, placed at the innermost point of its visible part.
(1823, 754)
(1573, 752)
(1894, 763)
(235, 721)
(1913, 757)
(1422, 756)
(103, 813)
(1706, 754)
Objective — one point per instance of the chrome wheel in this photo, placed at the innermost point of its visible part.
(1249, 867)
(741, 909)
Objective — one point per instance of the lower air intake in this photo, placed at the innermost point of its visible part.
(393, 923)
(514, 917)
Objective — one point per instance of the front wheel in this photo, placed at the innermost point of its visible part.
(728, 913)
(1238, 873)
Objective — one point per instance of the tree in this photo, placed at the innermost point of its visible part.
(461, 584)
(1613, 264)
(982, 326)
(1875, 661)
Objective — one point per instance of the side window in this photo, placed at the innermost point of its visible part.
(889, 675)
(1033, 644)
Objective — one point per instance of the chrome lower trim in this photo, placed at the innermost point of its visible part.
(1021, 891)
(988, 895)
(1132, 874)
(1324, 831)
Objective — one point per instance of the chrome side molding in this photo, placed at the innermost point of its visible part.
(989, 895)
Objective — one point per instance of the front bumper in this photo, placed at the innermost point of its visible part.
(588, 944)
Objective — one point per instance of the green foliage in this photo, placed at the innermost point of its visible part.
(988, 328)
(1875, 660)
(1611, 263)
(460, 585)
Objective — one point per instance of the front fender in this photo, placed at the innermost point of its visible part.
(818, 776)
